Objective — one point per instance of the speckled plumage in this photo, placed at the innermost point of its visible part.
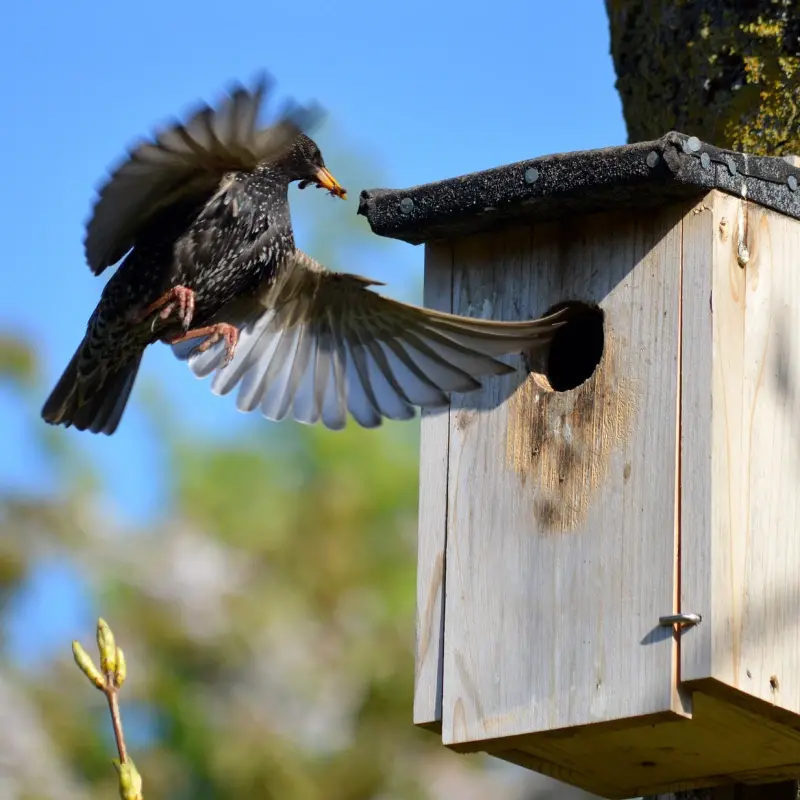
(224, 249)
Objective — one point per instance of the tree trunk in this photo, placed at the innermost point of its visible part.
(726, 71)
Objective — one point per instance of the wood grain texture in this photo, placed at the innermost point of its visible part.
(769, 649)
(711, 426)
(554, 587)
(432, 528)
(741, 454)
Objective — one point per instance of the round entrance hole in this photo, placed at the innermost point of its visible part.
(576, 349)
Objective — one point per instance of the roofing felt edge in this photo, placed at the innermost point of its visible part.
(644, 174)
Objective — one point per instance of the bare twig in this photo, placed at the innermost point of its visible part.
(109, 679)
(116, 721)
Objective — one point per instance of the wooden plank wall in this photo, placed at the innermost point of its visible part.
(561, 557)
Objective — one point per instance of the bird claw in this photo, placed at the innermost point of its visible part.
(180, 299)
(229, 333)
(222, 330)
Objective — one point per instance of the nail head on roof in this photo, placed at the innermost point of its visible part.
(531, 175)
(652, 159)
(406, 205)
(705, 160)
(731, 165)
(792, 181)
(693, 144)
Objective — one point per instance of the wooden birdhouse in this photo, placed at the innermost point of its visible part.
(609, 539)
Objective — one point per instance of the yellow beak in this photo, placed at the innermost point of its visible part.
(325, 180)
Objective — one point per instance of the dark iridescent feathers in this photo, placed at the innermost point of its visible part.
(186, 161)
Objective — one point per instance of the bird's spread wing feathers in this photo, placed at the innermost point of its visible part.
(185, 160)
(319, 344)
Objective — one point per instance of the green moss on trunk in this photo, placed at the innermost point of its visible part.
(727, 71)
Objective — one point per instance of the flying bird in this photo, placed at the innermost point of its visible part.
(200, 214)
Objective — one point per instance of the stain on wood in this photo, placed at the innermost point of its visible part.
(563, 441)
(427, 619)
(464, 419)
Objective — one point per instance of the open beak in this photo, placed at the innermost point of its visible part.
(325, 180)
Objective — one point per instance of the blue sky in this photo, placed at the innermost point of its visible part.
(426, 90)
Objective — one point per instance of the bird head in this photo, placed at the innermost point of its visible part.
(308, 166)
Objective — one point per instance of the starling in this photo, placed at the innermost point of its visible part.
(200, 215)
(213, 271)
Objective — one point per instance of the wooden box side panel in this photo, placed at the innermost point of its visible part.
(712, 339)
(434, 445)
(561, 527)
(741, 456)
(769, 634)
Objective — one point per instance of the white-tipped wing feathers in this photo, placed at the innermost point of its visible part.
(185, 159)
(319, 344)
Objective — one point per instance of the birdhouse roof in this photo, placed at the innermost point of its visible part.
(672, 168)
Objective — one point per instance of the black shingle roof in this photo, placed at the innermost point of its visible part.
(638, 175)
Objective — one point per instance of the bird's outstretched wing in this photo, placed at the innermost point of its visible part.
(186, 159)
(319, 344)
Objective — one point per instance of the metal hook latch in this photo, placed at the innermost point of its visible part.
(679, 619)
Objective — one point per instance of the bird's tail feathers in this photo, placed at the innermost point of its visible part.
(93, 401)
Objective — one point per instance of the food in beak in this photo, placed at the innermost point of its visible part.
(325, 180)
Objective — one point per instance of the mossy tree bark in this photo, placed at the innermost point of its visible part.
(726, 71)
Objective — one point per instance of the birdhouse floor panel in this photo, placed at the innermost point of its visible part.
(719, 744)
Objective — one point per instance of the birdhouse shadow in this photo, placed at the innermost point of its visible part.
(783, 374)
(658, 634)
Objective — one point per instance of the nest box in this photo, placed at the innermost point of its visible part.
(609, 539)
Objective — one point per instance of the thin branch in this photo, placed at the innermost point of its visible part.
(111, 693)
(109, 679)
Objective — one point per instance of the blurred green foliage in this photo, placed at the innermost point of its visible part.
(17, 362)
(268, 620)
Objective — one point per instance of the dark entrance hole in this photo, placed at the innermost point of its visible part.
(577, 347)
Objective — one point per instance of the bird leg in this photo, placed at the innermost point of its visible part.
(180, 298)
(222, 330)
